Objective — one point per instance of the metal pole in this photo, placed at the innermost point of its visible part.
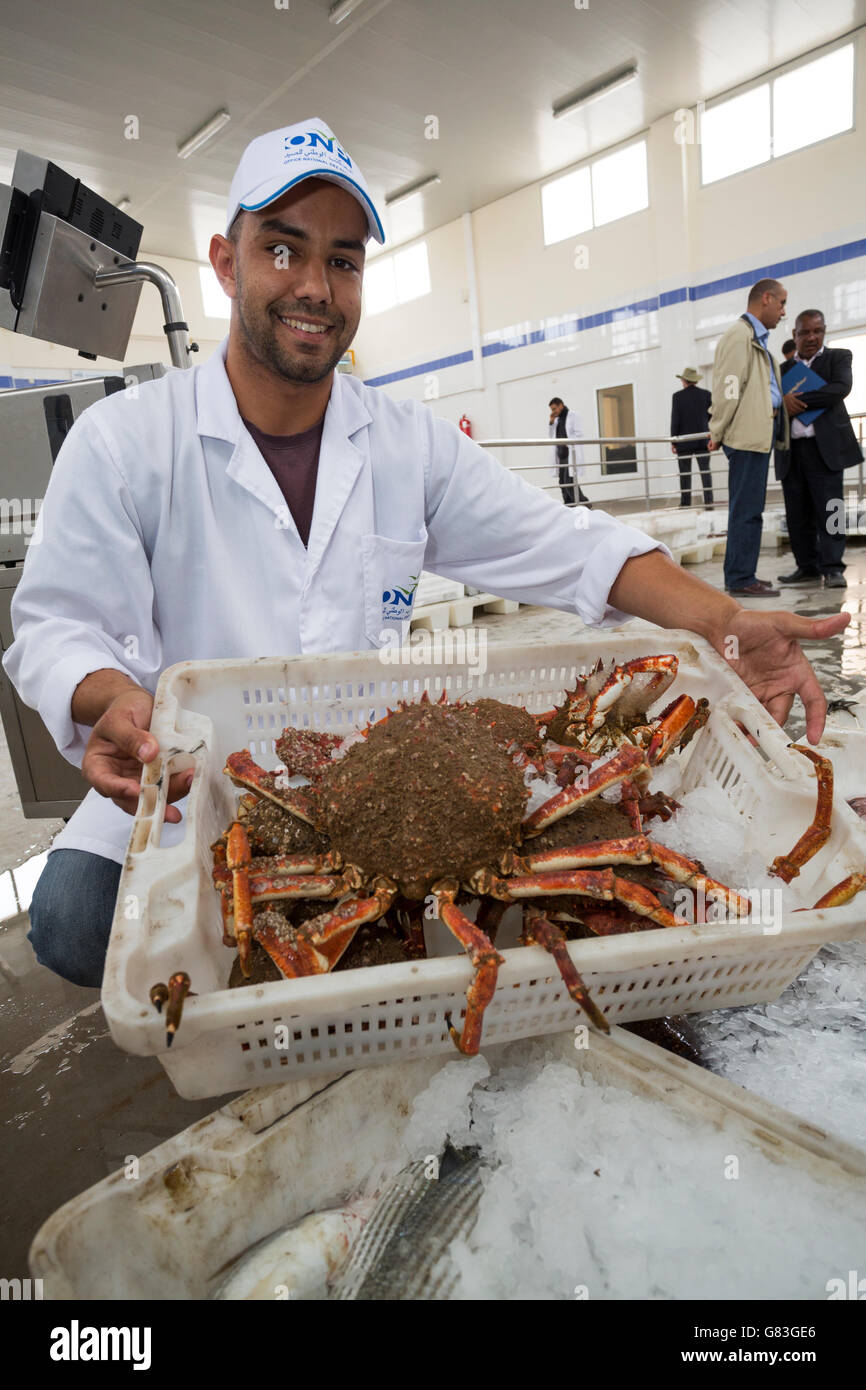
(646, 476)
(176, 329)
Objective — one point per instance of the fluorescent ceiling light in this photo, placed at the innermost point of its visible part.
(201, 137)
(337, 13)
(411, 189)
(585, 95)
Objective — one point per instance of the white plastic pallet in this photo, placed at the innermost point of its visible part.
(231, 1039)
(266, 1159)
(460, 612)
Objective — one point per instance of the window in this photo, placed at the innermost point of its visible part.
(616, 419)
(619, 184)
(608, 188)
(396, 279)
(566, 206)
(215, 301)
(814, 102)
(735, 135)
(855, 402)
(807, 104)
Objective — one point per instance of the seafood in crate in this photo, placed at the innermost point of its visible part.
(429, 805)
(168, 924)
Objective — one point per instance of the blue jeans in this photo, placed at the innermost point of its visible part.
(747, 493)
(71, 914)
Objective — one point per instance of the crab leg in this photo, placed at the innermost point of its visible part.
(684, 870)
(662, 670)
(590, 883)
(245, 772)
(315, 947)
(275, 887)
(626, 763)
(540, 930)
(237, 863)
(639, 899)
(788, 866)
(842, 893)
(178, 989)
(485, 958)
(676, 725)
(635, 850)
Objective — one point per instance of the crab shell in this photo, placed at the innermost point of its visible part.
(606, 705)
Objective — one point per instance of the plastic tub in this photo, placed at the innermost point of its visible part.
(168, 916)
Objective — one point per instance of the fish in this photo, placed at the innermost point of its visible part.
(296, 1262)
(397, 1256)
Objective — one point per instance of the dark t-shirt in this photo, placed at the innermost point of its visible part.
(294, 461)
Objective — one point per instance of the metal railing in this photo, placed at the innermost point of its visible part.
(649, 481)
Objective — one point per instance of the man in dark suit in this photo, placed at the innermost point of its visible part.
(690, 414)
(811, 472)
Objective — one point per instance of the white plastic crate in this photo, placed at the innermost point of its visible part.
(168, 916)
(208, 1194)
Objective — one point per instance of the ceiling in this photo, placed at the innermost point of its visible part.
(489, 70)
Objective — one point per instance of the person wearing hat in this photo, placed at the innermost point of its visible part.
(690, 414)
(264, 504)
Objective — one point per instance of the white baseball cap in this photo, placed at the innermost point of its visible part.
(273, 163)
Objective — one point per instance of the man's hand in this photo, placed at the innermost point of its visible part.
(117, 748)
(711, 446)
(773, 665)
(794, 403)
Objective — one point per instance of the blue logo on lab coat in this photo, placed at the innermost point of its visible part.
(397, 603)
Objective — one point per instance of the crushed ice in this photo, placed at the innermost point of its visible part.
(596, 1192)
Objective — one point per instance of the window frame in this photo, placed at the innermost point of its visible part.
(641, 138)
(767, 79)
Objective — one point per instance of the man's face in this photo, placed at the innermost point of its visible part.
(809, 336)
(298, 268)
(556, 411)
(772, 307)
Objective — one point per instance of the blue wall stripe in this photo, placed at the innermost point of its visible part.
(848, 251)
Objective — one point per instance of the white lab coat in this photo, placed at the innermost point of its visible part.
(574, 430)
(165, 537)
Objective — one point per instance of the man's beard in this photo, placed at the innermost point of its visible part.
(263, 342)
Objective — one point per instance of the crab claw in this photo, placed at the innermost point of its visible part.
(788, 866)
(178, 989)
(842, 892)
(158, 996)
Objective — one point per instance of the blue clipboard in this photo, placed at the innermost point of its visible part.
(798, 377)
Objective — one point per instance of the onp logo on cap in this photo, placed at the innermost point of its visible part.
(273, 163)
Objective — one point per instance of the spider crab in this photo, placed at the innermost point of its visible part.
(431, 802)
(607, 709)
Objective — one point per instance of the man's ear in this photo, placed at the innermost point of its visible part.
(222, 252)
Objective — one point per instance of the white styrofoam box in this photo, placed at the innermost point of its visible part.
(267, 1158)
(168, 916)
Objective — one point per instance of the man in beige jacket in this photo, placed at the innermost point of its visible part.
(747, 419)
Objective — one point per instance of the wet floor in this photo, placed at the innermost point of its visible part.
(73, 1107)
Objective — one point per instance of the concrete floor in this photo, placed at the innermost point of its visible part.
(73, 1106)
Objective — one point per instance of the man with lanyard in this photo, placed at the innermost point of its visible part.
(263, 504)
(747, 420)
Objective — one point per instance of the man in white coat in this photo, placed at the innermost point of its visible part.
(569, 469)
(262, 504)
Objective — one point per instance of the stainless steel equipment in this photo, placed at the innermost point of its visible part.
(68, 275)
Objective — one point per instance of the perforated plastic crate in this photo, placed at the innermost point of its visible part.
(168, 916)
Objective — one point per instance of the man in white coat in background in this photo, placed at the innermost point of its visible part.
(262, 504)
(568, 470)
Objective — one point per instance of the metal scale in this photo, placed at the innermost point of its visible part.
(68, 275)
